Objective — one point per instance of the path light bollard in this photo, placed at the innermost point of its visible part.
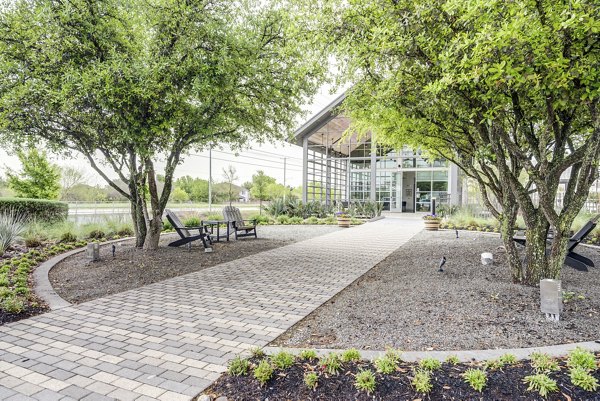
(551, 299)
(487, 258)
(93, 251)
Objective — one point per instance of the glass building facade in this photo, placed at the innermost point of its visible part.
(342, 167)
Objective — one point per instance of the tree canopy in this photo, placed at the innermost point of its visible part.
(506, 90)
(38, 178)
(128, 83)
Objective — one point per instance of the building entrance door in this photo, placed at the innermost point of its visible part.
(408, 191)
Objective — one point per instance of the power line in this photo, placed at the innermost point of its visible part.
(237, 161)
(275, 154)
(253, 157)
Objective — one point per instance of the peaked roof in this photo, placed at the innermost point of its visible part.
(318, 120)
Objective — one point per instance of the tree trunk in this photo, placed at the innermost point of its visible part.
(156, 210)
(153, 234)
(537, 261)
(507, 224)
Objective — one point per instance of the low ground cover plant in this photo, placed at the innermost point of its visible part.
(344, 376)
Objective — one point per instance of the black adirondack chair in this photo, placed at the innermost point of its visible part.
(573, 259)
(240, 227)
(186, 237)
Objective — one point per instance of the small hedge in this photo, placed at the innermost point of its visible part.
(36, 209)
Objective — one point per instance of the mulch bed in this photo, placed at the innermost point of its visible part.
(77, 279)
(405, 303)
(29, 311)
(448, 384)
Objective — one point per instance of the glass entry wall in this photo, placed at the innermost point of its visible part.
(349, 168)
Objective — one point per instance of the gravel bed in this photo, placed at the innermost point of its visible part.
(77, 279)
(405, 302)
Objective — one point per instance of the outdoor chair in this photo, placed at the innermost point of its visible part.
(573, 259)
(186, 238)
(240, 227)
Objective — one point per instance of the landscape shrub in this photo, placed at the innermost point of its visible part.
(36, 209)
(283, 219)
(422, 381)
(540, 383)
(12, 225)
(282, 360)
(430, 364)
(192, 221)
(331, 363)
(238, 366)
(350, 355)
(311, 379)
(308, 354)
(259, 219)
(311, 220)
(476, 378)
(263, 372)
(580, 358)
(581, 377)
(365, 380)
(386, 365)
(296, 220)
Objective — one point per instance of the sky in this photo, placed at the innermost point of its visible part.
(267, 157)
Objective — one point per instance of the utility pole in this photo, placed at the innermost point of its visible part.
(210, 179)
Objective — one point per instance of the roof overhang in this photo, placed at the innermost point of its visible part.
(318, 120)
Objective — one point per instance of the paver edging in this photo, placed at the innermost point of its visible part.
(463, 356)
(41, 281)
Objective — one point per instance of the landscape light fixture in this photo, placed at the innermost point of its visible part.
(551, 299)
(442, 263)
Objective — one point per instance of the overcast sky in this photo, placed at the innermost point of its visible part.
(266, 157)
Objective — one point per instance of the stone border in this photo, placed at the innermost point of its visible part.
(463, 356)
(41, 282)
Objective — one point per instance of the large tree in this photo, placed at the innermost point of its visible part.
(131, 83)
(506, 90)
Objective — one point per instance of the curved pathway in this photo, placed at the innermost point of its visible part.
(170, 340)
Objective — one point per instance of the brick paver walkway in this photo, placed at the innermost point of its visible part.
(170, 340)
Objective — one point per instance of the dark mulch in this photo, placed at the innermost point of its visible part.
(6, 317)
(405, 303)
(448, 384)
(77, 279)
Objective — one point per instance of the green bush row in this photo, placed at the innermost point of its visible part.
(36, 209)
(581, 365)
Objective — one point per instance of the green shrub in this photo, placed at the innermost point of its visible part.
(494, 364)
(96, 234)
(12, 304)
(543, 363)
(308, 354)
(12, 225)
(452, 360)
(581, 377)
(430, 364)
(331, 363)
(350, 355)
(476, 378)
(386, 365)
(36, 209)
(365, 380)
(282, 360)
(192, 221)
(422, 381)
(238, 366)
(311, 220)
(259, 219)
(540, 383)
(296, 220)
(580, 358)
(311, 379)
(283, 219)
(263, 372)
(508, 359)
(257, 353)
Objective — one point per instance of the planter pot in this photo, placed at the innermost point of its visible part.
(343, 221)
(432, 225)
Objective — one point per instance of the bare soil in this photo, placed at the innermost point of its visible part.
(405, 302)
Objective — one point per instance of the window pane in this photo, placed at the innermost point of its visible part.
(423, 186)
(423, 175)
(440, 175)
(440, 185)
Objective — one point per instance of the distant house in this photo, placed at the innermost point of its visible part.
(353, 169)
(244, 195)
